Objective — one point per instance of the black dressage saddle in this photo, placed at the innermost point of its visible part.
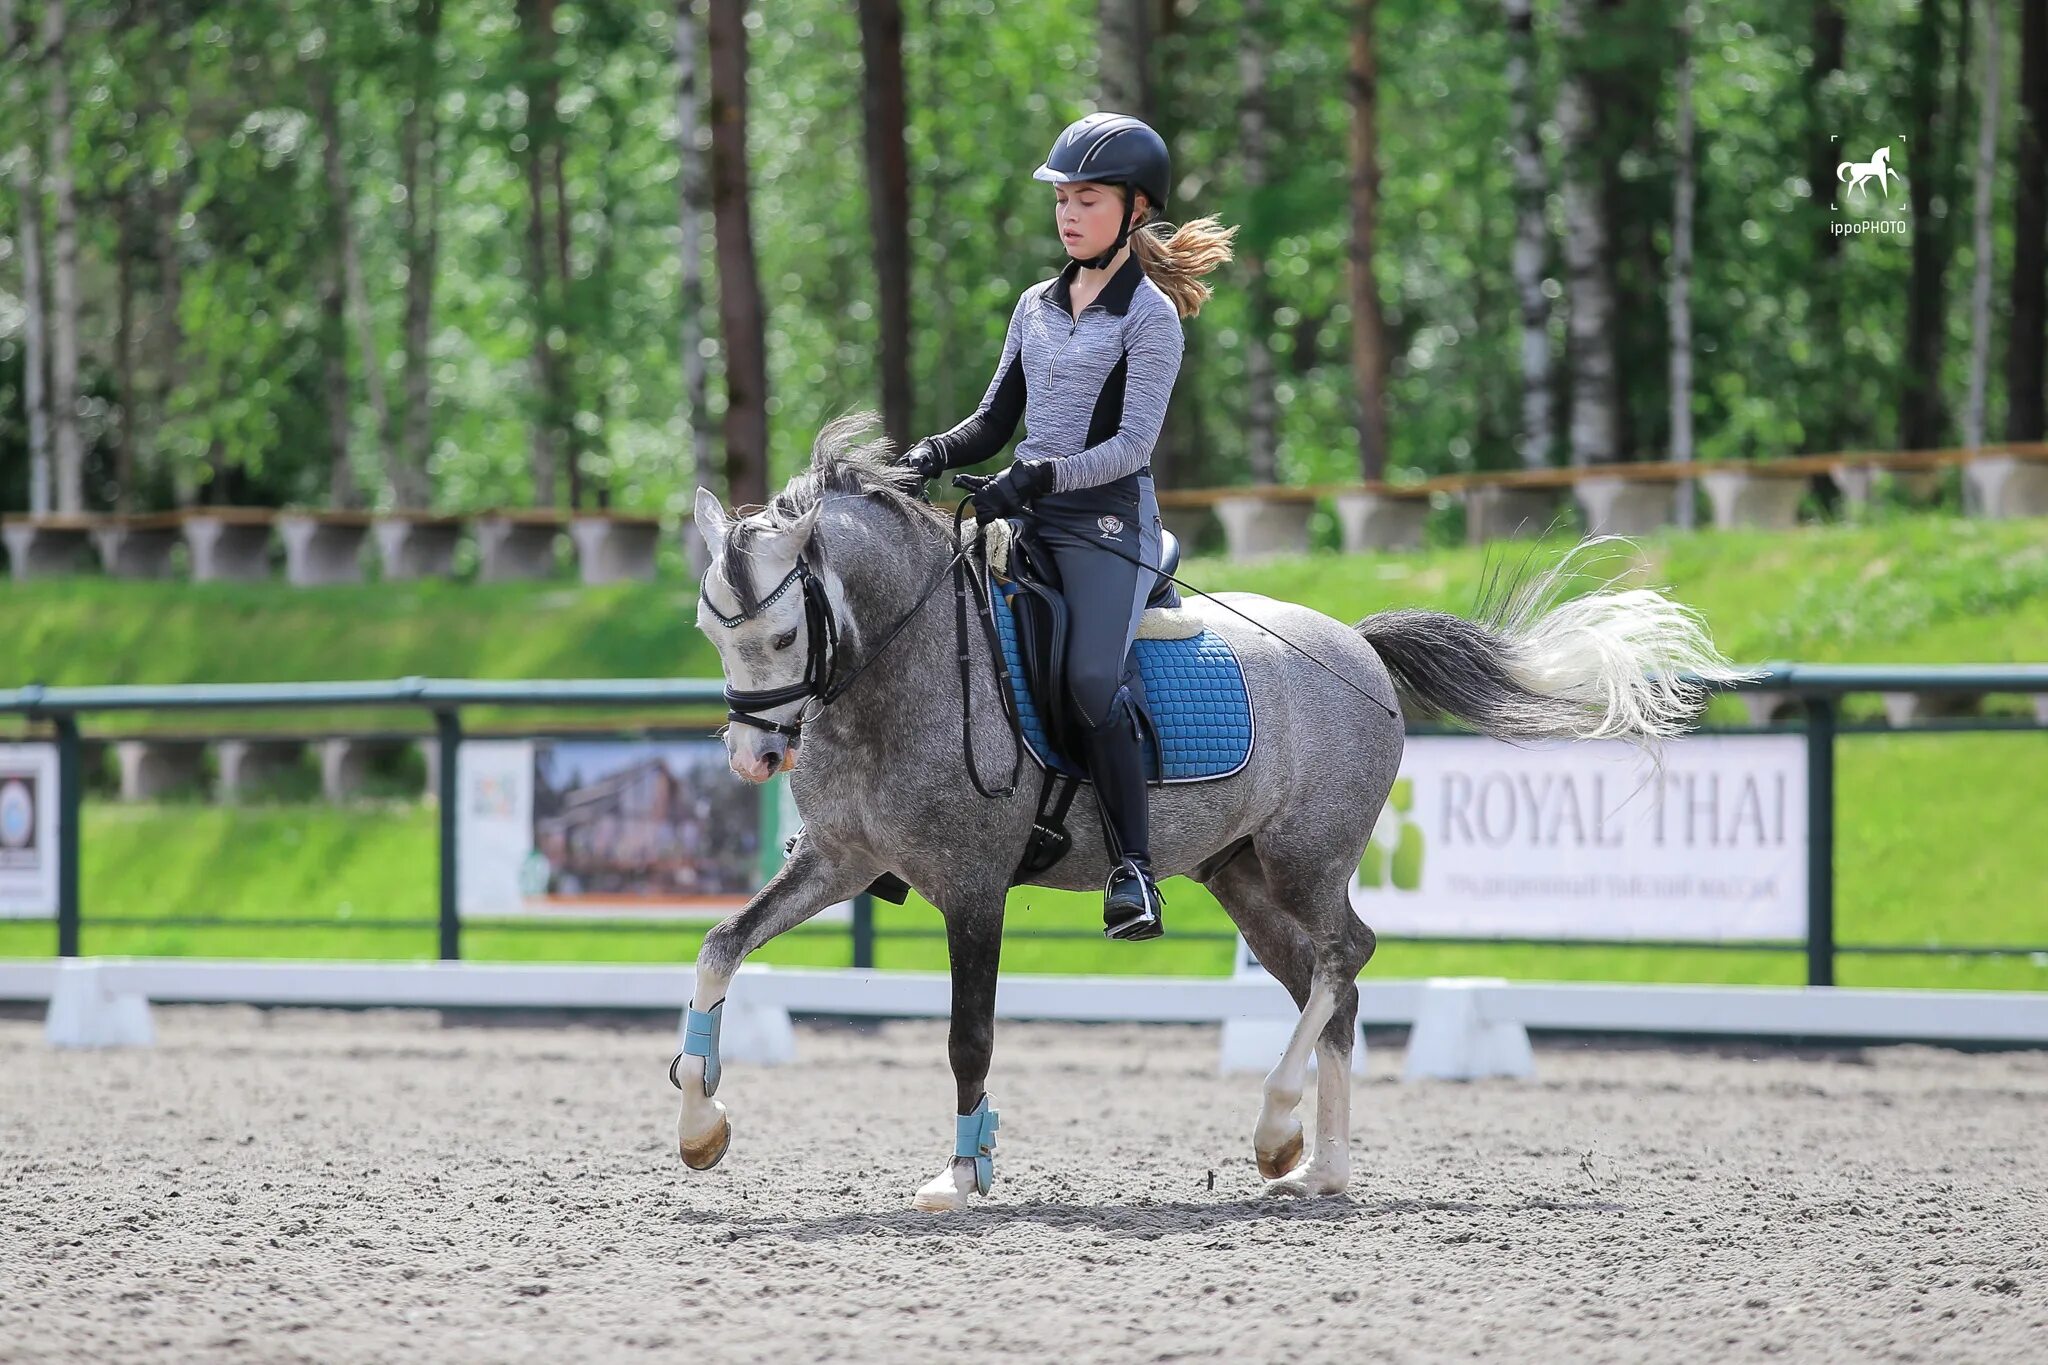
(1040, 611)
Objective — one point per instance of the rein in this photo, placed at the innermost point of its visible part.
(973, 483)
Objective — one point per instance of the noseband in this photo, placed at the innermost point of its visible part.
(820, 664)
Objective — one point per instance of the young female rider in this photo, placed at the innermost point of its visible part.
(1088, 364)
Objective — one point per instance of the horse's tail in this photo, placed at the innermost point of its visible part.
(1604, 665)
(1845, 170)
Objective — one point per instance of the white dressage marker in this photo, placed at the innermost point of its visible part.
(89, 1009)
(752, 1031)
(1460, 1028)
(1453, 1041)
(1251, 1043)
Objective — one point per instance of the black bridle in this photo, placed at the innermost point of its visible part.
(821, 681)
(821, 659)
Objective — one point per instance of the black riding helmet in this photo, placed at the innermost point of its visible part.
(1111, 149)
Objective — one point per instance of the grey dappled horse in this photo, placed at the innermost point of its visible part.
(881, 781)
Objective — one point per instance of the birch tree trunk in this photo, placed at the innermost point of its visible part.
(2026, 348)
(354, 301)
(742, 316)
(1538, 436)
(568, 396)
(1686, 508)
(419, 155)
(69, 470)
(1251, 144)
(1368, 328)
(1595, 416)
(1980, 284)
(691, 206)
(28, 194)
(882, 103)
(126, 249)
(536, 22)
(334, 369)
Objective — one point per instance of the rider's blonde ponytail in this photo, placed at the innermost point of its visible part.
(1175, 259)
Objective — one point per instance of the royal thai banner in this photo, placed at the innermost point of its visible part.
(612, 828)
(28, 831)
(1582, 840)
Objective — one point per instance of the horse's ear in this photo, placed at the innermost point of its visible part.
(785, 543)
(712, 521)
(800, 529)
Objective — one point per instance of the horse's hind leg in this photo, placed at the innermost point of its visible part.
(1318, 964)
(1329, 1168)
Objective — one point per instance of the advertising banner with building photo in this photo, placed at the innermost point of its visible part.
(612, 828)
(28, 831)
(1581, 840)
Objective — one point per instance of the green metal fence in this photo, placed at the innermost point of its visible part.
(1818, 688)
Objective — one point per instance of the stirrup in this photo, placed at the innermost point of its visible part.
(1148, 921)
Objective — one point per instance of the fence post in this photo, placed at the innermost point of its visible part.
(863, 930)
(448, 728)
(1820, 841)
(70, 803)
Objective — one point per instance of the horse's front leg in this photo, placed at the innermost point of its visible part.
(974, 942)
(807, 882)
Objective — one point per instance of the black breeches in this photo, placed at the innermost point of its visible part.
(1105, 594)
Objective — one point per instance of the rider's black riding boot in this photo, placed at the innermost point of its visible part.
(1132, 907)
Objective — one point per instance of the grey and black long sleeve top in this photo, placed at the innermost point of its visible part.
(1091, 391)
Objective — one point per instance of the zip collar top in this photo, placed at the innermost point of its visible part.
(1090, 390)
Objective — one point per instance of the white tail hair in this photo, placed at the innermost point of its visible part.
(1614, 663)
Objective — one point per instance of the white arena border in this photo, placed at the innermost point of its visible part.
(1461, 1027)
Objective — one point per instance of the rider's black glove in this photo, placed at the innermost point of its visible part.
(924, 458)
(1007, 494)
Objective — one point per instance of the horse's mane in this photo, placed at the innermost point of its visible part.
(846, 461)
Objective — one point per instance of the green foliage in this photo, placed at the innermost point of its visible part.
(194, 126)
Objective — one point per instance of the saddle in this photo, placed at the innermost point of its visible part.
(1192, 705)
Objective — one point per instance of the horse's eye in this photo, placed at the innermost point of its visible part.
(786, 639)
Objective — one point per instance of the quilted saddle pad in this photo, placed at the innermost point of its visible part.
(1194, 688)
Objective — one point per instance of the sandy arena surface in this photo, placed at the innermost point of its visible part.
(374, 1187)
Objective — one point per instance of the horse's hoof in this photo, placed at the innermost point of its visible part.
(943, 1194)
(939, 1201)
(1308, 1181)
(1283, 1158)
(705, 1153)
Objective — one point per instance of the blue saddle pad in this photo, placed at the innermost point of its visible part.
(1193, 687)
